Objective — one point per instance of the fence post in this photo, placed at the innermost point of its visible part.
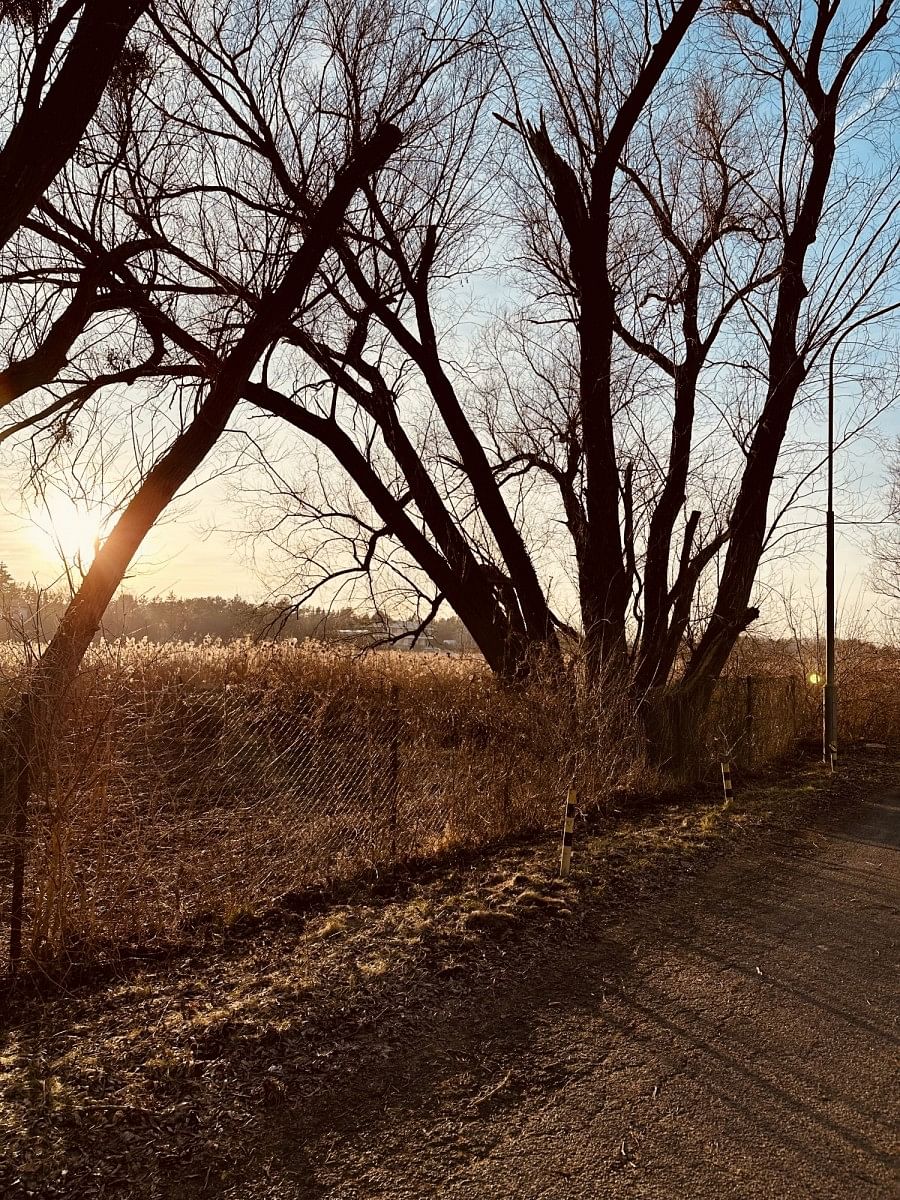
(394, 767)
(792, 689)
(24, 745)
(726, 782)
(749, 714)
(565, 860)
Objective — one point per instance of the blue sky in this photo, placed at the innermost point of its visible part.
(197, 552)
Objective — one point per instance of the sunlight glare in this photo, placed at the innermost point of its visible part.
(67, 533)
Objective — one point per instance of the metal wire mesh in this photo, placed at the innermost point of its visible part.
(755, 719)
(194, 782)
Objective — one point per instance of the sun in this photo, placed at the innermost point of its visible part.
(66, 532)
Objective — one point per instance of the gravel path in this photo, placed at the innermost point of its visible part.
(738, 1041)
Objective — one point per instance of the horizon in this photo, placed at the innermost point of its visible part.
(187, 559)
(878, 635)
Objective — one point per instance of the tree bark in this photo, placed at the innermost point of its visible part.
(49, 129)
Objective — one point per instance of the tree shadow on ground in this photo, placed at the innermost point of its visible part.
(436, 1065)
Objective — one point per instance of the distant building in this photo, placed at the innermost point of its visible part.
(403, 635)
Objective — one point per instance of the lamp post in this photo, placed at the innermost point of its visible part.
(829, 692)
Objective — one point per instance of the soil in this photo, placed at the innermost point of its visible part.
(704, 1009)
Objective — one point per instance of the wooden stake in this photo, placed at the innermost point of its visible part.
(565, 861)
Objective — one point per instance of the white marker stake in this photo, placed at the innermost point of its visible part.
(565, 861)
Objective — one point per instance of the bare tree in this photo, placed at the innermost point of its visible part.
(217, 342)
(688, 244)
(390, 282)
(668, 218)
(243, 112)
(814, 61)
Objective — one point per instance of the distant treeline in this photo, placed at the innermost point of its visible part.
(28, 613)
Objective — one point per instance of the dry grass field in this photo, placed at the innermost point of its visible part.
(186, 782)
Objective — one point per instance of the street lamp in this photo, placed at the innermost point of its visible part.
(829, 713)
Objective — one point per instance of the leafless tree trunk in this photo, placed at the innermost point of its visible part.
(75, 49)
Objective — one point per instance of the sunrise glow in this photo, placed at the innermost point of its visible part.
(66, 533)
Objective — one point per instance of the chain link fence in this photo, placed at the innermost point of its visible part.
(757, 719)
(182, 783)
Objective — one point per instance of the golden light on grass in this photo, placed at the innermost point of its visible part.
(208, 782)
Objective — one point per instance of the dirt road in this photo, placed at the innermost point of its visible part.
(743, 1046)
(486, 1033)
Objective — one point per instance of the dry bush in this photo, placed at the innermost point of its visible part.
(756, 719)
(867, 683)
